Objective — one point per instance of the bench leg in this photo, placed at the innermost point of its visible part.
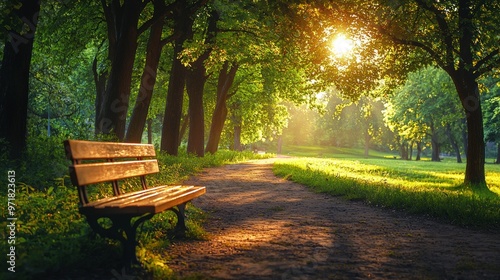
(180, 227)
(121, 224)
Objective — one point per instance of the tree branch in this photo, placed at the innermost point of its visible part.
(161, 11)
(169, 39)
(420, 45)
(443, 26)
(485, 59)
(491, 61)
(237, 30)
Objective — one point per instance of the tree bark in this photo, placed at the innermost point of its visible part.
(237, 138)
(453, 143)
(226, 79)
(183, 18)
(195, 85)
(100, 88)
(148, 80)
(150, 131)
(14, 79)
(419, 150)
(410, 152)
(173, 109)
(468, 91)
(113, 112)
(404, 150)
(498, 154)
(469, 94)
(435, 148)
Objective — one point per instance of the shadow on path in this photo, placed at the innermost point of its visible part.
(264, 227)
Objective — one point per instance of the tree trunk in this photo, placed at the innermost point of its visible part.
(453, 143)
(14, 79)
(434, 144)
(435, 149)
(173, 109)
(237, 137)
(226, 79)
(184, 126)
(113, 112)
(403, 150)
(419, 150)
(100, 88)
(196, 79)
(150, 131)
(183, 26)
(411, 151)
(464, 136)
(498, 154)
(218, 119)
(195, 84)
(468, 91)
(148, 80)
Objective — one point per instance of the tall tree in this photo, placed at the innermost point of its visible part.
(461, 37)
(148, 79)
(225, 81)
(122, 21)
(183, 19)
(195, 85)
(14, 75)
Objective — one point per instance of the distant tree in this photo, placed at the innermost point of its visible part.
(492, 112)
(426, 106)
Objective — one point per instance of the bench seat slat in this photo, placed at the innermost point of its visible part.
(92, 173)
(132, 197)
(150, 197)
(152, 200)
(87, 150)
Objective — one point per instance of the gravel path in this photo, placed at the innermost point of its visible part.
(264, 227)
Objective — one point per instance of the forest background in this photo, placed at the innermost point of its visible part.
(196, 76)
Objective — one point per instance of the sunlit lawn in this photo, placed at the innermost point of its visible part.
(384, 168)
(433, 188)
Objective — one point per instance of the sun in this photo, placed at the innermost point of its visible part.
(341, 45)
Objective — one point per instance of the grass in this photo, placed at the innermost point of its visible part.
(53, 241)
(424, 187)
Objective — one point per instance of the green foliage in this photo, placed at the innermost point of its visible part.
(53, 240)
(424, 188)
(491, 107)
(52, 237)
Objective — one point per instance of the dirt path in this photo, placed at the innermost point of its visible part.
(264, 227)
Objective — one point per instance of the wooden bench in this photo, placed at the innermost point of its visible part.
(106, 164)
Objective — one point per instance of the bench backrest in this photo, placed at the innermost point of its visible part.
(99, 162)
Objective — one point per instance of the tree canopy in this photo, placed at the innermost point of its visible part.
(204, 74)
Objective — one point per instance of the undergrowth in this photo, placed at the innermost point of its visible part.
(53, 241)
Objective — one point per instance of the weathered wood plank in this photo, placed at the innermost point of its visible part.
(88, 150)
(92, 173)
(162, 199)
